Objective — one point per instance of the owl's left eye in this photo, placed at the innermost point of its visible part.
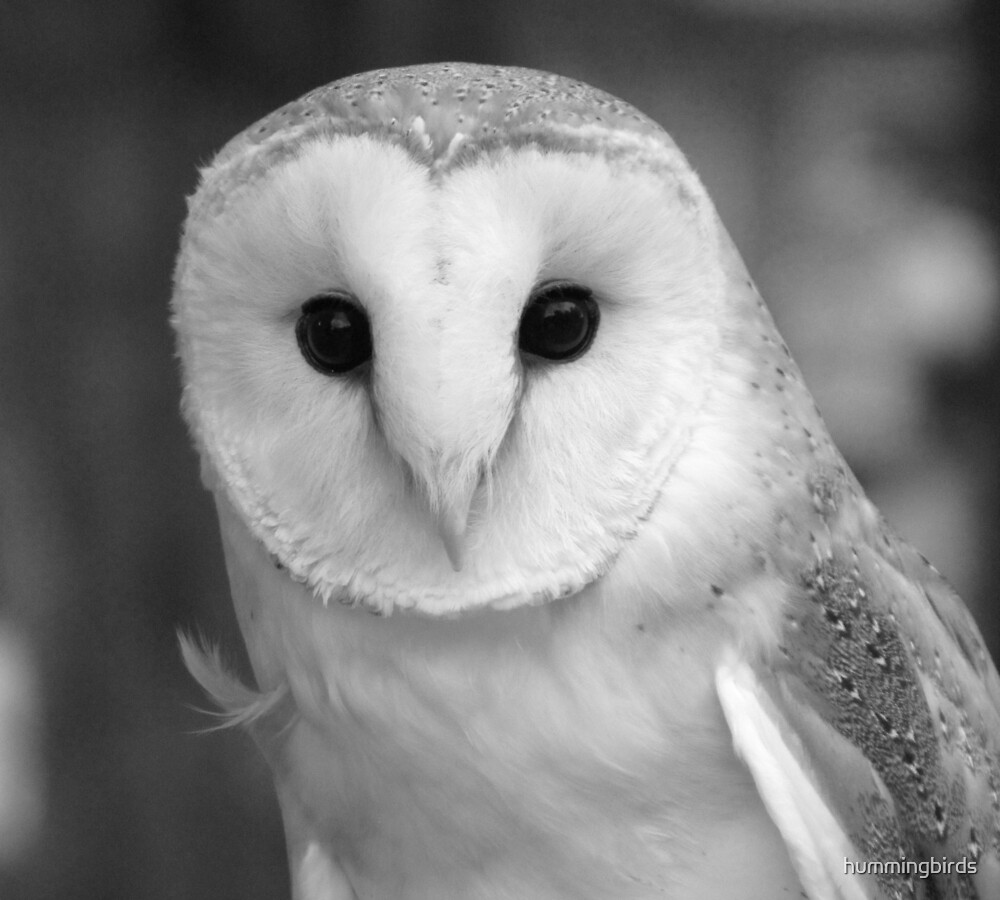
(333, 333)
(559, 322)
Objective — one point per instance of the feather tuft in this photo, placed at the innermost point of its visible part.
(239, 704)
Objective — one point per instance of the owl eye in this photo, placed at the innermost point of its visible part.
(559, 322)
(333, 334)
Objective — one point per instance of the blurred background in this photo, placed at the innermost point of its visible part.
(850, 145)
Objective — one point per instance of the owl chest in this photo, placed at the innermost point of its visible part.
(532, 770)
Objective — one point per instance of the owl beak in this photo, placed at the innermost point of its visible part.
(451, 526)
(451, 504)
(452, 519)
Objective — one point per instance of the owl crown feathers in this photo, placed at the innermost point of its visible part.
(442, 114)
(437, 104)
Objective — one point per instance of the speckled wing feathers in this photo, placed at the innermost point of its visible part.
(880, 679)
(899, 728)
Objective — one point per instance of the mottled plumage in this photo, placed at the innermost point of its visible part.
(641, 632)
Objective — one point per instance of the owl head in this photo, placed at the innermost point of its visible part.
(448, 333)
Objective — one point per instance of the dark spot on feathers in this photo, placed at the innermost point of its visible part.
(875, 652)
(886, 724)
(939, 819)
(840, 626)
(974, 848)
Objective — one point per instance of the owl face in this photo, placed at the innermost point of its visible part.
(445, 334)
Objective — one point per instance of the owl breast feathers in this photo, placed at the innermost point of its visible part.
(553, 582)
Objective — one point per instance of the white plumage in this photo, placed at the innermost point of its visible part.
(467, 347)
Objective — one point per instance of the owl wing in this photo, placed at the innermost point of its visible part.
(872, 735)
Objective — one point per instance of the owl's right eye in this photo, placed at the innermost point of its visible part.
(559, 322)
(333, 333)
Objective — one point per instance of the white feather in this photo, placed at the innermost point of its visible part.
(239, 704)
(816, 841)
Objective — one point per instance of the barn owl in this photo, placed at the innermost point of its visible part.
(553, 583)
